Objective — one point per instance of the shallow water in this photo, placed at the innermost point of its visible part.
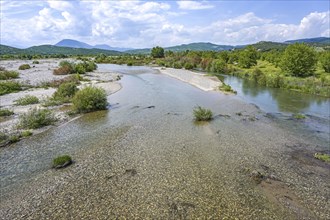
(146, 158)
(279, 100)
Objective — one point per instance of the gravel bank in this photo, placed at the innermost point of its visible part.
(201, 81)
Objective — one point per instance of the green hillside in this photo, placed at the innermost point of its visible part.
(52, 50)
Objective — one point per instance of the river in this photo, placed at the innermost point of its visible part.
(146, 158)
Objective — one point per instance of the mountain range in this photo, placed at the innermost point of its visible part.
(73, 47)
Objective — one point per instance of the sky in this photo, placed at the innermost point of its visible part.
(142, 24)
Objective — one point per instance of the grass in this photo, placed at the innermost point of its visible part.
(24, 67)
(5, 112)
(267, 74)
(323, 157)
(227, 88)
(202, 114)
(90, 99)
(36, 118)
(62, 161)
(298, 116)
(5, 75)
(26, 133)
(27, 100)
(9, 87)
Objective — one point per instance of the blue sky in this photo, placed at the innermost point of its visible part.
(140, 24)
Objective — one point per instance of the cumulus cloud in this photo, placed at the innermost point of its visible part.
(194, 5)
(144, 24)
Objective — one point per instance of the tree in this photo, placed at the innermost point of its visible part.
(157, 52)
(325, 61)
(299, 60)
(248, 57)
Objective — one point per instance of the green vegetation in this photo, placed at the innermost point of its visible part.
(325, 61)
(24, 67)
(27, 100)
(35, 62)
(36, 118)
(157, 52)
(5, 112)
(75, 78)
(299, 60)
(5, 75)
(248, 57)
(63, 94)
(90, 99)
(9, 87)
(62, 161)
(298, 116)
(67, 67)
(202, 114)
(227, 88)
(3, 139)
(26, 133)
(13, 139)
(323, 157)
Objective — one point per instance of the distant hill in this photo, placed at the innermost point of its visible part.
(183, 47)
(268, 45)
(79, 44)
(52, 50)
(317, 40)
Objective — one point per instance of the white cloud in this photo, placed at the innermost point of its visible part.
(144, 24)
(194, 5)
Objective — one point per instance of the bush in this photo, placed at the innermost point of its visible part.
(323, 157)
(9, 87)
(35, 62)
(64, 70)
(5, 112)
(226, 88)
(202, 114)
(24, 67)
(62, 161)
(298, 116)
(27, 100)
(188, 66)
(65, 91)
(36, 118)
(90, 99)
(26, 133)
(56, 83)
(4, 75)
(325, 61)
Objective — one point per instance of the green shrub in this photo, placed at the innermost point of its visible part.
(26, 133)
(202, 114)
(65, 91)
(62, 161)
(14, 139)
(36, 118)
(325, 61)
(27, 100)
(35, 62)
(3, 139)
(188, 66)
(4, 75)
(90, 99)
(5, 112)
(226, 88)
(24, 67)
(63, 70)
(9, 87)
(298, 116)
(323, 157)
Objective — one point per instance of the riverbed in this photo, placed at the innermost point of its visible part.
(146, 158)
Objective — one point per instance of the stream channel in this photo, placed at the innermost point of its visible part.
(146, 158)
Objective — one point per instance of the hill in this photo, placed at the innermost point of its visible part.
(268, 45)
(79, 44)
(52, 50)
(317, 40)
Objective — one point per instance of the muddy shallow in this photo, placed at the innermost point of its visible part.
(145, 158)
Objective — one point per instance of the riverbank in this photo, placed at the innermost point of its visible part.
(201, 81)
(35, 79)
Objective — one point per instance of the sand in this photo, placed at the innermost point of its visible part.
(201, 81)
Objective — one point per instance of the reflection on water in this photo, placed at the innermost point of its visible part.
(279, 100)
